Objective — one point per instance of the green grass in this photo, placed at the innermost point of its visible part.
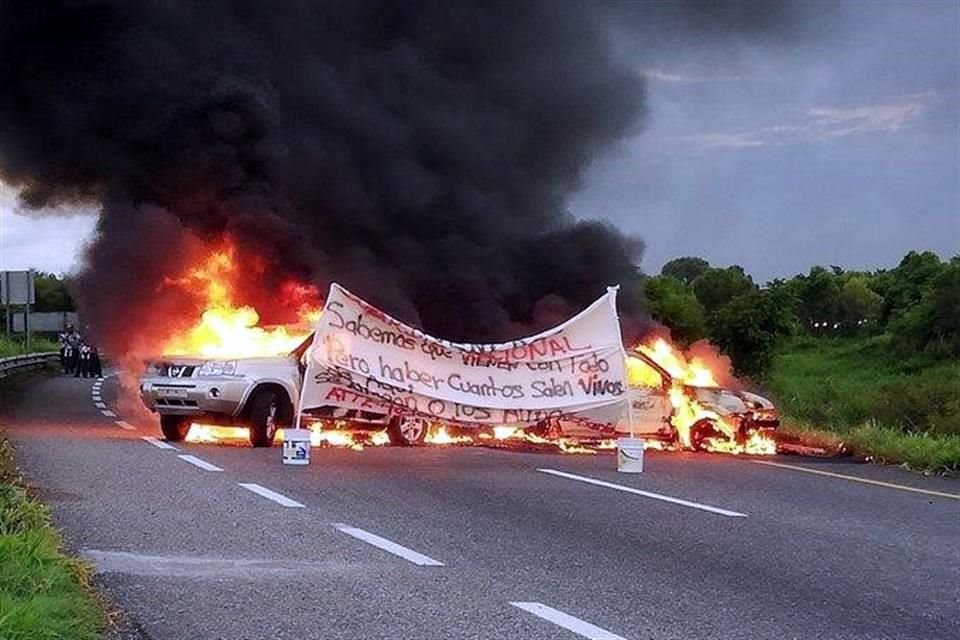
(892, 407)
(44, 595)
(14, 347)
(918, 451)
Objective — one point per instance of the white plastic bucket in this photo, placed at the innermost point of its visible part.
(296, 446)
(630, 455)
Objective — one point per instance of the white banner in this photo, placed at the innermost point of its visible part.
(361, 358)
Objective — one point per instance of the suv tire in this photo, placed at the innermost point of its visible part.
(175, 428)
(408, 431)
(266, 411)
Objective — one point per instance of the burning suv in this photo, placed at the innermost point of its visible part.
(261, 392)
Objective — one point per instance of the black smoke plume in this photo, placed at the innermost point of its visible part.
(420, 153)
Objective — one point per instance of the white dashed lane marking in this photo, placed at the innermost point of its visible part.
(125, 425)
(108, 413)
(100, 405)
(270, 495)
(392, 547)
(159, 444)
(197, 462)
(645, 494)
(567, 621)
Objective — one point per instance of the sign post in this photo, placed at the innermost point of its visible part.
(17, 288)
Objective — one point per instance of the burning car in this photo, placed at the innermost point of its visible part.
(678, 402)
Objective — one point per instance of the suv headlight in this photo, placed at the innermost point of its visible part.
(217, 368)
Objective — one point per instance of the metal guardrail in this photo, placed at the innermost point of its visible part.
(16, 364)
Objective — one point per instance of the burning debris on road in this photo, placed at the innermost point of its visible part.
(697, 409)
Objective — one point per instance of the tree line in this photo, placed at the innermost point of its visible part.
(917, 302)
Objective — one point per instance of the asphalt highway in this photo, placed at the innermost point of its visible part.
(208, 541)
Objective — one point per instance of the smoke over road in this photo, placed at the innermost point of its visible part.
(421, 156)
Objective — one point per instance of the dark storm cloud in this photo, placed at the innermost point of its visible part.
(423, 157)
(839, 148)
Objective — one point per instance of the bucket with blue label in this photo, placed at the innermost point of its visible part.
(296, 446)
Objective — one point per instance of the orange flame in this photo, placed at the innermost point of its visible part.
(687, 412)
(691, 372)
(225, 329)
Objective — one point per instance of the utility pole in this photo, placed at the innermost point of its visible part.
(30, 298)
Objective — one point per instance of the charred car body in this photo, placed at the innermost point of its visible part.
(262, 392)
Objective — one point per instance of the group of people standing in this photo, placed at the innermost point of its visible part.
(78, 356)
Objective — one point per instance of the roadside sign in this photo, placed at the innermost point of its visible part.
(16, 287)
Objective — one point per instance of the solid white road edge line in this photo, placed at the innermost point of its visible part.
(124, 425)
(270, 495)
(108, 413)
(390, 547)
(568, 622)
(197, 462)
(646, 494)
(159, 444)
(878, 483)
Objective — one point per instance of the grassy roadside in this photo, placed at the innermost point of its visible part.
(10, 347)
(918, 451)
(44, 594)
(892, 408)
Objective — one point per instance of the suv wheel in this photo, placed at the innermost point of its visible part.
(408, 431)
(266, 411)
(175, 428)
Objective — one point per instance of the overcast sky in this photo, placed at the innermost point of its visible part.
(839, 148)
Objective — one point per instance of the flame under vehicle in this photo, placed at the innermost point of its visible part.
(260, 393)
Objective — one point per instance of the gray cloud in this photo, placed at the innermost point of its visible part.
(823, 123)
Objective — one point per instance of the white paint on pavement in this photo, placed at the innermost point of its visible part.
(645, 494)
(388, 546)
(568, 622)
(270, 495)
(841, 476)
(125, 425)
(159, 444)
(197, 462)
(108, 413)
(167, 566)
(100, 405)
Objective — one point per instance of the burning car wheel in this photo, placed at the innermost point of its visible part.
(175, 428)
(266, 412)
(407, 431)
(701, 431)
